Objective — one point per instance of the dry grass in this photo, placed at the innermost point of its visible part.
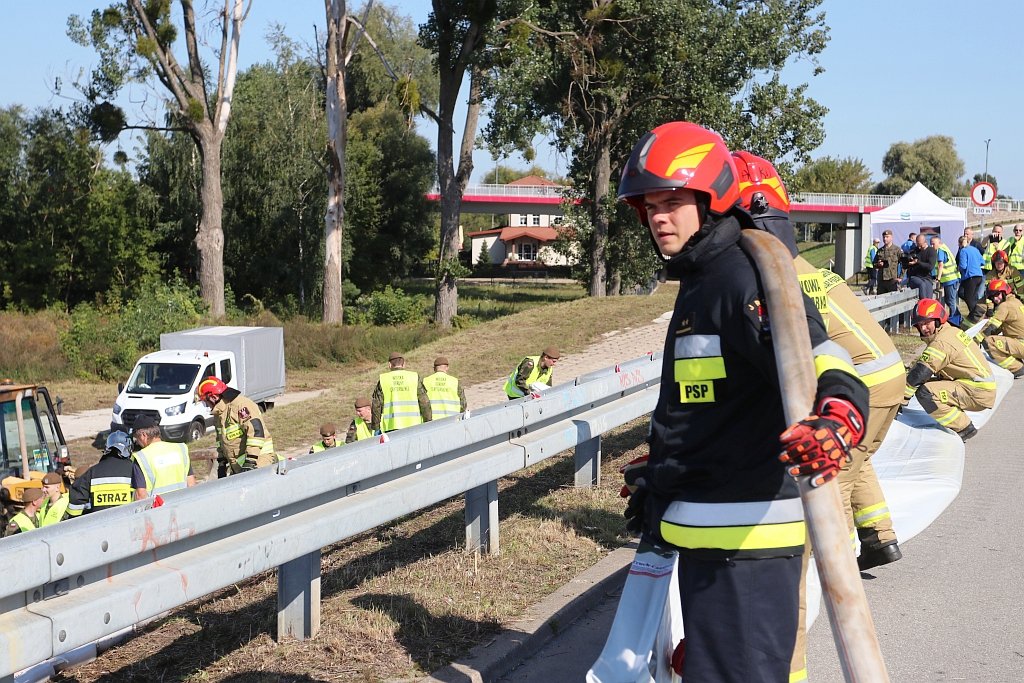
(400, 601)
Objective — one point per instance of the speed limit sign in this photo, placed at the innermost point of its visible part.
(983, 194)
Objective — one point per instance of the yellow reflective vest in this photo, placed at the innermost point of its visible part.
(950, 272)
(165, 466)
(400, 408)
(51, 513)
(443, 392)
(512, 390)
(24, 522)
(363, 430)
(869, 257)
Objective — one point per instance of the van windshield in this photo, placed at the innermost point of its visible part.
(162, 378)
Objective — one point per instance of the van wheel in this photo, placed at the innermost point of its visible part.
(196, 431)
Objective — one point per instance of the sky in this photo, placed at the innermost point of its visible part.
(898, 70)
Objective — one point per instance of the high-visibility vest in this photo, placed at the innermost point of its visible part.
(165, 466)
(443, 392)
(536, 375)
(363, 430)
(1017, 253)
(986, 262)
(401, 408)
(950, 273)
(24, 522)
(869, 258)
(51, 513)
(321, 446)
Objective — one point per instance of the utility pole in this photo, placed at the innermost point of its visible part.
(981, 231)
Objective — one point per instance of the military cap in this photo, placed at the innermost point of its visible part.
(51, 478)
(395, 355)
(440, 360)
(31, 495)
(551, 352)
(362, 402)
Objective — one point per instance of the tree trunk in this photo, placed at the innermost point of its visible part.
(452, 185)
(337, 120)
(209, 238)
(599, 241)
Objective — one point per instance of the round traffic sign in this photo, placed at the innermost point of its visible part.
(983, 193)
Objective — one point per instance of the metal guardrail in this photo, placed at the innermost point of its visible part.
(892, 309)
(74, 583)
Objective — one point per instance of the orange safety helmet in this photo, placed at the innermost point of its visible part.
(760, 184)
(930, 309)
(998, 287)
(680, 155)
(211, 386)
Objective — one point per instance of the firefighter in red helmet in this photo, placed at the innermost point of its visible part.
(1003, 336)
(952, 374)
(243, 439)
(715, 432)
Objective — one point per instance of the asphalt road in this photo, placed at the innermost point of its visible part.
(948, 611)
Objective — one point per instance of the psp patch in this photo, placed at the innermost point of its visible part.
(696, 392)
(243, 413)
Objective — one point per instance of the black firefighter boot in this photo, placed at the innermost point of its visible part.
(873, 552)
(968, 431)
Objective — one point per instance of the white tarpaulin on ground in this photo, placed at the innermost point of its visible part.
(919, 210)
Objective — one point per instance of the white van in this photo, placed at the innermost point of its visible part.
(163, 384)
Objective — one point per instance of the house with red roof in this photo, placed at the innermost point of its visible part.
(527, 238)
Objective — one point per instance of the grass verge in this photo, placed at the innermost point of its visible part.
(399, 601)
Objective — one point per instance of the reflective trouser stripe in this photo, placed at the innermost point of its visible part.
(867, 517)
(987, 384)
(946, 419)
(798, 676)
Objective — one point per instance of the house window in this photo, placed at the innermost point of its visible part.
(557, 220)
(527, 251)
(536, 219)
(523, 218)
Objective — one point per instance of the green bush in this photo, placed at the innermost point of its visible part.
(393, 307)
(104, 340)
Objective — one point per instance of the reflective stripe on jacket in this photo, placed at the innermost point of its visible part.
(401, 406)
(165, 466)
(747, 528)
(443, 392)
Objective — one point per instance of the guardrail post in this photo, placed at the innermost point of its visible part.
(587, 459)
(482, 518)
(298, 597)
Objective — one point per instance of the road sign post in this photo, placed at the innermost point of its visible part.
(983, 194)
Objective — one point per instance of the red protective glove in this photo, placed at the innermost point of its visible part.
(820, 444)
(634, 472)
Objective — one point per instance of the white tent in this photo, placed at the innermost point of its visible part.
(919, 210)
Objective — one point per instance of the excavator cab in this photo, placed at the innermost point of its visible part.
(31, 444)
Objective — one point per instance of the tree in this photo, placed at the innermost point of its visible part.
(71, 228)
(344, 36)
(831, 174)
(135, 40)
(390, 170)
(273, 181)
(931, 161)
(456, 32)
(600, 73)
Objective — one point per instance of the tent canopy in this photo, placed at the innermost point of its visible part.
(919, 210)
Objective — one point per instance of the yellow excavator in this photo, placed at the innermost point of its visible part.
(32, 445)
